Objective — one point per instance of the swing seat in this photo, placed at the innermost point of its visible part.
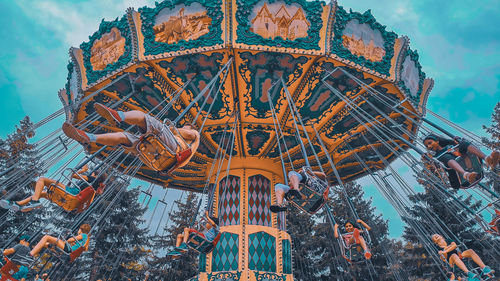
(157, 156)
(354, 254)
(71, 257)
(494, 225)
(470, 163)
(8, 270)
(71, 202)
(310, 200)
(199, 243)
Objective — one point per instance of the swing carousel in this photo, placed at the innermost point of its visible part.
(271, 87)
(275, 79)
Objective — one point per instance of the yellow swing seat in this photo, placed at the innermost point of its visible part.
(70, 202)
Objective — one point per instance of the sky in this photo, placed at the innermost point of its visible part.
(458, 42)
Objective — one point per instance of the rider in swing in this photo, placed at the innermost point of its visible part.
(33, 202)
(439, 145)
(173, 138)
(295, 178)
(353, 236)
(210, 233)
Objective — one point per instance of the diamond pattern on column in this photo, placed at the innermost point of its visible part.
(262, 252)
(229, 201)
(202, 265)
(225, 254)
(287, 256)
(259, 197)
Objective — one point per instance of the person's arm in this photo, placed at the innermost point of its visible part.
(320, 175)
(210, 220)
(189, 135)
(72, 240)
(79, 174)
(452, 246)
(336, 231)
(364, 224)
(8, 252)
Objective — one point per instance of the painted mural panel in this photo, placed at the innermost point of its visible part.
(362, 40)
(410, 76)
(181, 23)
(279, 20)
(107, 49)
(294, 24)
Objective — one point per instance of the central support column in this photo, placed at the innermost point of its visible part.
(254, 244)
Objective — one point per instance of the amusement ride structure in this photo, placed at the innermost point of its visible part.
(272, 86)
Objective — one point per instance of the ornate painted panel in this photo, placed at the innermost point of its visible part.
(225, 254)
(108, 49)
(262, 252)
(267, 276)
(259, 198)
(291, 24)
(412, 77)
(229, 200)
(259, 72)
(181, 24)
(361, 39)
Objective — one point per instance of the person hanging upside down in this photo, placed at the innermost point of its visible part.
(209, 233)
(438, 145)
(19, 256)
(294, 179)
(353, 236)
(68, 246)
(450, 251)
(176, 140)
(33, 202)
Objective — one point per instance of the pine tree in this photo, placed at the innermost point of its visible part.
(185, 267)
(493, 143)
(20, 166)
(430, 209)
(118, 248)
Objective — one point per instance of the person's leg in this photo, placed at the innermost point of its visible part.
(471, 254)
(476, 151)
(279, 190)
(186, 235)
(180, 238)
(112, 139)
(41, 183)
(469, 176)
(114, 117)
(86, 138)
(455, 260)
(46, 240)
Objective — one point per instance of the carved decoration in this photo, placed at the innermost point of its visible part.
(362, 40)
(189, 23)
(107, 49)
(412, 77)
(278, 20)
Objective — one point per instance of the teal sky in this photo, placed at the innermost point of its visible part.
(458, 43)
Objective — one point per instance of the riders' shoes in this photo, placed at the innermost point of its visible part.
(368, 255)
(174, 254)
(492, 159)
(471, 276)
(73, 133)
(7, 204)
(278, 208)
(182, 248)
(31, 206)
(109, 114)
(487, 271)
(471, 176)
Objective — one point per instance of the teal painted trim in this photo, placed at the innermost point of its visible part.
(341, 20)
(105, 27)
(266, 276)
(312, 10)
(202, 265)
(421, 75)
(287, 256)
(70, 68)
(213, 37)
(224, 276)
